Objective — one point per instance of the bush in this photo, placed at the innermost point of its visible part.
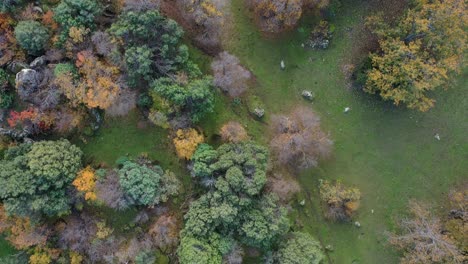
(32, 36)
(341, 202)
(300, 248)
(233, 132)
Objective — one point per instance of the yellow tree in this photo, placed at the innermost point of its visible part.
(418, 54)
(86, 182)
(186, 142)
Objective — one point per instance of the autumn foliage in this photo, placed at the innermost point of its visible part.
(233, 132)
(341, 201)
(419, 54)
(86, 182)
(186, 142)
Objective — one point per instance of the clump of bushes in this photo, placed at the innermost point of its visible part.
(320, 36)
(341, 201)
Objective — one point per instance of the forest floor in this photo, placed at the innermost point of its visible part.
(388, 152)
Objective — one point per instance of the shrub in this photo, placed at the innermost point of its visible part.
(341, 202)
(31, 35)
(233, 132)
(300, 248)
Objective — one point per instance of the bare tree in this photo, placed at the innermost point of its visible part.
(165, 232)
(284, 186)
(125, 102)
(233, 132)
(110, 192)
(77, 232)
(102, 43)
(205, 20)
(423, 240)
(298, 140)
(229, 75)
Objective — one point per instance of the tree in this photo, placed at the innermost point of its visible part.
(9, 5)
(194, 97)
(151, 45)
(277, 16)
(234, 206)
(31, 35)
(85, 182)
(300, 248)
(298, 140)
(423, 240)
(194, 251)
(264, 224)
(418, 54)
(186, 142)
(341, 202)
(233, 132)
(35, 177)
(205, 20)
(229, 75)
(21, 233)
(147, 184)
(242, 166)
(110, 192)
(79, 14)
(98, 86)
(165, 232)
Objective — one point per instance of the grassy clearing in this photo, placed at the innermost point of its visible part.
(389, 153)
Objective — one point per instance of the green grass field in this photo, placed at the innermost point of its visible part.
(389, 153)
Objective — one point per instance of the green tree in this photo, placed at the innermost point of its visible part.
(35, 177)
(31, 35)
(139, 62)
(151, 45)
(242, 166)
(264, 224)
(418, 54)
(147, 184)
(300, 248)
(79, 14)
(194, 97)
(9, 5)
(194, 251)
(235, 206)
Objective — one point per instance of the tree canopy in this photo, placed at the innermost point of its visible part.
(418, 54)
(36, 177)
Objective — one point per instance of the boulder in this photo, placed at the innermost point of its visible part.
(259, 112)
(38, 62)
(307, 95)
(27, 82)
